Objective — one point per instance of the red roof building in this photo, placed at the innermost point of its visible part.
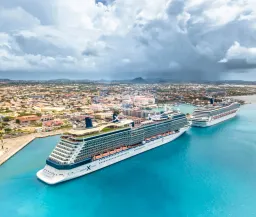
(28, 119)
(53, 123)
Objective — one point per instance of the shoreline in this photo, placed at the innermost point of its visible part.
(248, 99)
(13, 145)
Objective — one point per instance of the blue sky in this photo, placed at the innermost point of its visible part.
(120, 39)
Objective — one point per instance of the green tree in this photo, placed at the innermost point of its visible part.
(7, 130)
(6, 119)
(116, 112)
(17, 121)
(8, 110)
(89, 102)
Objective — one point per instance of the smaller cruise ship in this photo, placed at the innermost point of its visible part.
(214, 114)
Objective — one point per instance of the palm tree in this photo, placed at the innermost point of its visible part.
(89, 102)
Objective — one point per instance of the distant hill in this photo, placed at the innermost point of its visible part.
(59, 80)
(4, 80)
(139, 80)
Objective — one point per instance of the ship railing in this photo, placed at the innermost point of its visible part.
(64, 143)
(65, 147)
(159, 136)
(56, 161)
(63, 150)
(200, 118)
(68, 144)
(64, 137)
(53, 160)
(224, 114)
(74, 139)
(61, 153)
(58, 157)
(71, 141)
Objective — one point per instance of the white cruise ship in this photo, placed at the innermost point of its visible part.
(84, 151)
(214, 114)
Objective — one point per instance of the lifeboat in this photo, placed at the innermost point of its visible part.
(113, 152)
(98, 156)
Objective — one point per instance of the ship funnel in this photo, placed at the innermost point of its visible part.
(88, 122)
(132, 124)
(115, 118)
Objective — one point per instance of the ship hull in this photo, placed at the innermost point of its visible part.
(213, 122)
(53, 176)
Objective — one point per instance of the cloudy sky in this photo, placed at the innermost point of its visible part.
(120, 39)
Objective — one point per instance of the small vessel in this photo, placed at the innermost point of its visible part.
(84, 151)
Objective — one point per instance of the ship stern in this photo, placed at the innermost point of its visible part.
(49, 177)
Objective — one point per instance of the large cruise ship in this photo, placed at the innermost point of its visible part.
(214, 114)
(84, 151)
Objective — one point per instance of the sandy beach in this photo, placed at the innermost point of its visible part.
(14, 145)
(247, 98)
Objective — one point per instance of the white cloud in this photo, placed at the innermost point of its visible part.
(16, 19)
(184, 38)
(222, 12)
(238, 52)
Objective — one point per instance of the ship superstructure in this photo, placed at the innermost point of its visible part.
(83, 151)
(214, 114)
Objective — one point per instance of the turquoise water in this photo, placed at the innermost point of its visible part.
(184, 108)
(206, 172)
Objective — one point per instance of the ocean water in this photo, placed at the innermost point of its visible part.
(184, 108)
(206, 172)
